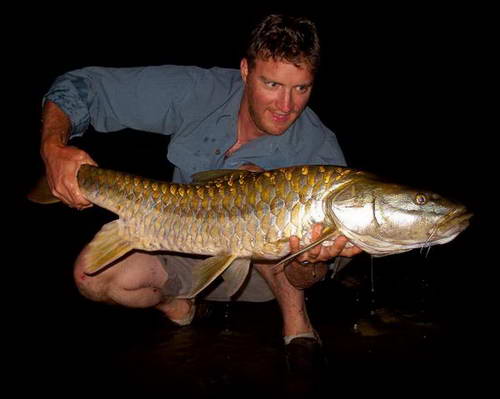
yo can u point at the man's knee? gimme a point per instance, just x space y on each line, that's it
135 272
91 287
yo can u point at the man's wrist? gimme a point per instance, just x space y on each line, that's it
49 145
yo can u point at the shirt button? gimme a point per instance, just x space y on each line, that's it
217 151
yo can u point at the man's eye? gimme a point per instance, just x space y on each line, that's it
271 84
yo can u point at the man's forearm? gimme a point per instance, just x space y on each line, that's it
56 126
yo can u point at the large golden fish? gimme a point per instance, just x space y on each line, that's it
236 216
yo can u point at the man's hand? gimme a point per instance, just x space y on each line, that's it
321 253
62 164
303 276
62 161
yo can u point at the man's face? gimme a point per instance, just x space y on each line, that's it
276 93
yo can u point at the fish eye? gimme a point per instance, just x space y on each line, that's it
420 199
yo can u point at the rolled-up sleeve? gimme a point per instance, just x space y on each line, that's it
65 94
112 99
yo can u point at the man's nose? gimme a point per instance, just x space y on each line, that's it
285 101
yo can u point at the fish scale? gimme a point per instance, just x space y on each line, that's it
244 213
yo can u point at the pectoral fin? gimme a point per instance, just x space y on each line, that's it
235 276
106 247
207 271
325 236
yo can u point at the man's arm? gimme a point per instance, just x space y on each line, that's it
61 160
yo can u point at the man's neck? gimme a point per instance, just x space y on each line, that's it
247 130
242 137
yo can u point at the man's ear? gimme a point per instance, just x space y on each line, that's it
244 69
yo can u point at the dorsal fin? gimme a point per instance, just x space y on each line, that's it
211 175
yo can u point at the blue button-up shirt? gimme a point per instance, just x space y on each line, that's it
197 107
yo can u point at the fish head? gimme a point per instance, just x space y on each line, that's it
384 218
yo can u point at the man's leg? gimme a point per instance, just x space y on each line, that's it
303 352
290 299
139 280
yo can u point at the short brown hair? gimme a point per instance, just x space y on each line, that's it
281 37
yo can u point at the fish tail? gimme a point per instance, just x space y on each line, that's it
41 193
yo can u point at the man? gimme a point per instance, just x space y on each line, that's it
254 119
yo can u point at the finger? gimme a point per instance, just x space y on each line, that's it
339 248
78 198
350 252
58 190
79 201
311 256
62 197
294 244
314 252
329 252
316 231
340 242
73 196
90 161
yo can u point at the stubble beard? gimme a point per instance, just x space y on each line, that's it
263 128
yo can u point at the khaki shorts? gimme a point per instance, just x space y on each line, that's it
179 268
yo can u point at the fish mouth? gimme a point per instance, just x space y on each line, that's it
450 226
